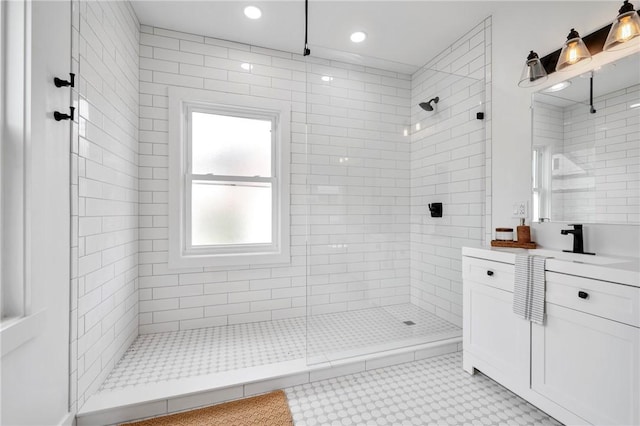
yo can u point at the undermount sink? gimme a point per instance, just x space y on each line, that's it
575 257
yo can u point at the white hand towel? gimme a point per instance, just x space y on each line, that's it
529 288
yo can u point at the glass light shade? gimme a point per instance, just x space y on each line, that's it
625 28
573 51
533 72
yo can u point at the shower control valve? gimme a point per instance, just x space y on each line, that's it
435 209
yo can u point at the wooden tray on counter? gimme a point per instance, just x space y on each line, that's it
513 244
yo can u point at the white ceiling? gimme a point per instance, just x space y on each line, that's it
402 35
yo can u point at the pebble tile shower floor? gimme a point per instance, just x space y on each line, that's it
433 391
162 357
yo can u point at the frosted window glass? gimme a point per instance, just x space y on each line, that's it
232 146
231 213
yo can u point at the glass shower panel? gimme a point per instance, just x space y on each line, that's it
362 125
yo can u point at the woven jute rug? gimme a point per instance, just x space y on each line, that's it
271 409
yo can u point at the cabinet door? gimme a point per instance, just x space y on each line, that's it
587 364
494 336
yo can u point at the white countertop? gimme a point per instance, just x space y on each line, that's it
621 270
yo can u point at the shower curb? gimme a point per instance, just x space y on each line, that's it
111 408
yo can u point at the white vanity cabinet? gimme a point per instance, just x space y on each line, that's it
581 366
493 336
586 357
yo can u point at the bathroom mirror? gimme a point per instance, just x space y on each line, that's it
586 148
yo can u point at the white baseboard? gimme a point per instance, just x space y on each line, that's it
68 420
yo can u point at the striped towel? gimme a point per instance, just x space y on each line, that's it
528 292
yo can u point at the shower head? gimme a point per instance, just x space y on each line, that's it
427 105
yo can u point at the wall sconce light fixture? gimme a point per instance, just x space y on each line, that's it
573 51
625 28
533 72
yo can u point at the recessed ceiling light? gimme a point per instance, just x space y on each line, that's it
252 12
358 37
558 87
246 66
326 78
635 105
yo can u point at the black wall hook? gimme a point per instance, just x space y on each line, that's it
59 116
63 83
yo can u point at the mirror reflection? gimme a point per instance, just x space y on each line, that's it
586 147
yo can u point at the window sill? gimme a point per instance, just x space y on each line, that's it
177 261
16 332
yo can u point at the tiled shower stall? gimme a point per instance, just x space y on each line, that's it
366 257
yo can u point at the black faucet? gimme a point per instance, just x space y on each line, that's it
578 244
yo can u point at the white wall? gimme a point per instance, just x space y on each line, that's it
541 26
448 165
104 186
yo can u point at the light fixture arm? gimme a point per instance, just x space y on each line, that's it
592 110
306 51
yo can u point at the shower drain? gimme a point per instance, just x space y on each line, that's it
409 322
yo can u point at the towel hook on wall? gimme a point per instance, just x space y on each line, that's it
60 116
64 83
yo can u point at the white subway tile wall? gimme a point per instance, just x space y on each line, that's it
349 176
450 151
598 159
104 183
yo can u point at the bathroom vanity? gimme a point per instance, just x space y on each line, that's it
582 365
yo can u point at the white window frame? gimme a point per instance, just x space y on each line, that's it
182 102
14 132
19 322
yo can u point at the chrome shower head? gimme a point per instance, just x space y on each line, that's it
427 105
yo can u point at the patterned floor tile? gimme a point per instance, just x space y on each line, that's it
434 391
162 357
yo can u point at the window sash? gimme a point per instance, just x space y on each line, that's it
229 248
190 178
15 299
229 112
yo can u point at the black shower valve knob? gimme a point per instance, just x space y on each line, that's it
64 83
435 209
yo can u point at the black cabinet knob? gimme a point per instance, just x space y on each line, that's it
490 273
583 295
